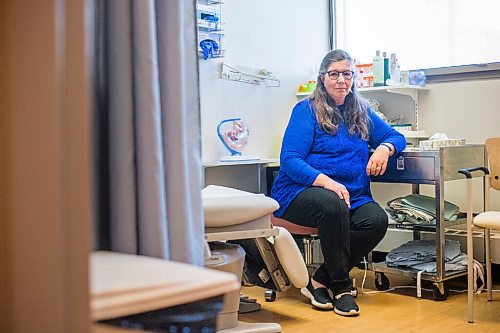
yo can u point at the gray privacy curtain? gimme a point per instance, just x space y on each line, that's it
148 129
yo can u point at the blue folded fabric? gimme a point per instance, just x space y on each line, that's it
210 18
209 47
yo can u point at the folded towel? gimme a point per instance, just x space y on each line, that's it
420 208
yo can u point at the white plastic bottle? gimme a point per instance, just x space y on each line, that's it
378 70
392 65
395 71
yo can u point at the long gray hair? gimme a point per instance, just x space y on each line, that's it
328 114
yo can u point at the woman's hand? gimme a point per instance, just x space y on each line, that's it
331 185
378 161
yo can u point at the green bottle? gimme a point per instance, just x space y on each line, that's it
378 70
387 74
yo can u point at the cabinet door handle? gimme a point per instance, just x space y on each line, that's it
400 163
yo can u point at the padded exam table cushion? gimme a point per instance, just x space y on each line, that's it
123 284
224 206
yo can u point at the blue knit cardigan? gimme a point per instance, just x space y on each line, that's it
307 151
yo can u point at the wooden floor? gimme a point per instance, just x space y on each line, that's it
394 311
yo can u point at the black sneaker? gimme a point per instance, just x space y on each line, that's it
319 297
345 305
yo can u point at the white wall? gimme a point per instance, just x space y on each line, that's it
288 38
467 110
462 109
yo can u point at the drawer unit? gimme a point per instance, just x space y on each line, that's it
433 168
429 167
410 168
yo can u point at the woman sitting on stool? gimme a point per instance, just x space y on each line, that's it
324 178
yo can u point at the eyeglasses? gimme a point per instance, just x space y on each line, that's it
334 75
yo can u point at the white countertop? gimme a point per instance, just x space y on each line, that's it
123 284
242 162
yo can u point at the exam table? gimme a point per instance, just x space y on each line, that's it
138 293
236 220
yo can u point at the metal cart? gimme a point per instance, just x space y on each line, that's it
433 168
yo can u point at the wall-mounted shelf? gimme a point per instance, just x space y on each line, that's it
301 94
211 2
210 29
249 75
411 91
407 90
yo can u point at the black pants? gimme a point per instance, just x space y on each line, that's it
345 236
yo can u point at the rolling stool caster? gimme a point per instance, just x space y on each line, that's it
270 295
381 282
